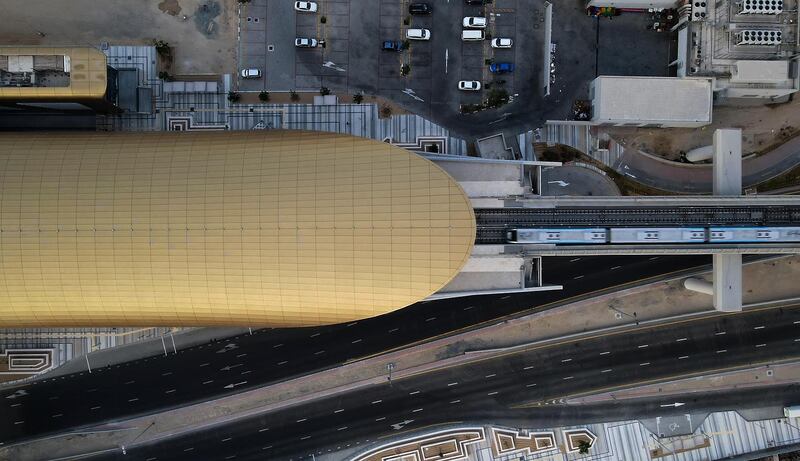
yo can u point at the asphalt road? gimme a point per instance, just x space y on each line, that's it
493 390
199 373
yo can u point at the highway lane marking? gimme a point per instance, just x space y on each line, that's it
351 324
277 346
246 372
578 277
575 259
241 355
606 370
683 357
468 308
166 373
305 437
720 333
301 420
530 385
339 410
452 384
393 330
263 429
208 382
490 376
15 405
615 267
528 367
430 319
188 449
314 335
133 399
170 391
453 402
283 362
204 365
381 418
57 415
796 340
493 393
796 322
377 401
91 390
413 393
681 339
18 422
225 440
417 410
505 297
605 353
760 327
760 345
342 428
230 457
653 258
95 408
722 351
643 346
566 360
267 447
568 377
356 341
130 382
644 364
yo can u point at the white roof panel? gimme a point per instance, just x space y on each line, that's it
652 99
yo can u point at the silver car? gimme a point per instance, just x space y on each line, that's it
502 43
305 7
301 42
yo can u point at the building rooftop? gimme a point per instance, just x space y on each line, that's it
652 99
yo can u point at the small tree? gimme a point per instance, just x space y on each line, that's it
357 98
164 75
324 91
263 96
407 20
162 47
294 96
583 447
406 44
405 69
386 111
323 19
234 96
497 97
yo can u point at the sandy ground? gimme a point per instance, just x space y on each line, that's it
763 127
201 33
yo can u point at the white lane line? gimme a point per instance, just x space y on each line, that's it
578 277
18 422
653 258
356 341
760 327
566 360
493 393
797 340
796 322
760 345
568 377
615 267
605 353
455 401
606 370
452 384
490 376
530 385
204 364
342 428
339 410
130 382
246 372
505 297
528 368
225 440
166 374
263 429
283 362
314 335
574 259
722 351
188 449
15 405
319 352
277 346
644 364
241 355
393 330
301 420
57 415
133 399
720 333
417 410
381 418
683 357
681 339
267 447
95 408
208 382
430 319
305 438
468 308
377 401
643 346
413 393
170 391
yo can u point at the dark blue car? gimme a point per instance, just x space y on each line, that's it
501 67
391 45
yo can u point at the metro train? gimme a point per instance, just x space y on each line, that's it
601 235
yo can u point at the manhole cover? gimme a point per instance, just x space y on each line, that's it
270 47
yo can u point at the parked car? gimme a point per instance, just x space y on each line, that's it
474 22
418 34
471 34
501 67
502 43
469 85
420 8
251 73
392 45
305 7
301 42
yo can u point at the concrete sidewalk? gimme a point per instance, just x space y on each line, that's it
619 310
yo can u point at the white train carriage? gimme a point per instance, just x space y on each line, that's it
587 236
753 234
658 235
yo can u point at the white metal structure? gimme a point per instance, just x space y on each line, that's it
590 235
657 235
418 34
761 7
759 37
305 7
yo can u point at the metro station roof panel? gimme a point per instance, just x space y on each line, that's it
280 228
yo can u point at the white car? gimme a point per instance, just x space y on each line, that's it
474 22
469 85
251 73
418 34
305 7
301 42
502 43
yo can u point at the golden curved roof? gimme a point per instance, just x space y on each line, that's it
87 77
282 228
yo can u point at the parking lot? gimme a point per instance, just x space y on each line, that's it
349 58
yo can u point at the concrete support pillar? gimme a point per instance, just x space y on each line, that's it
728 282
